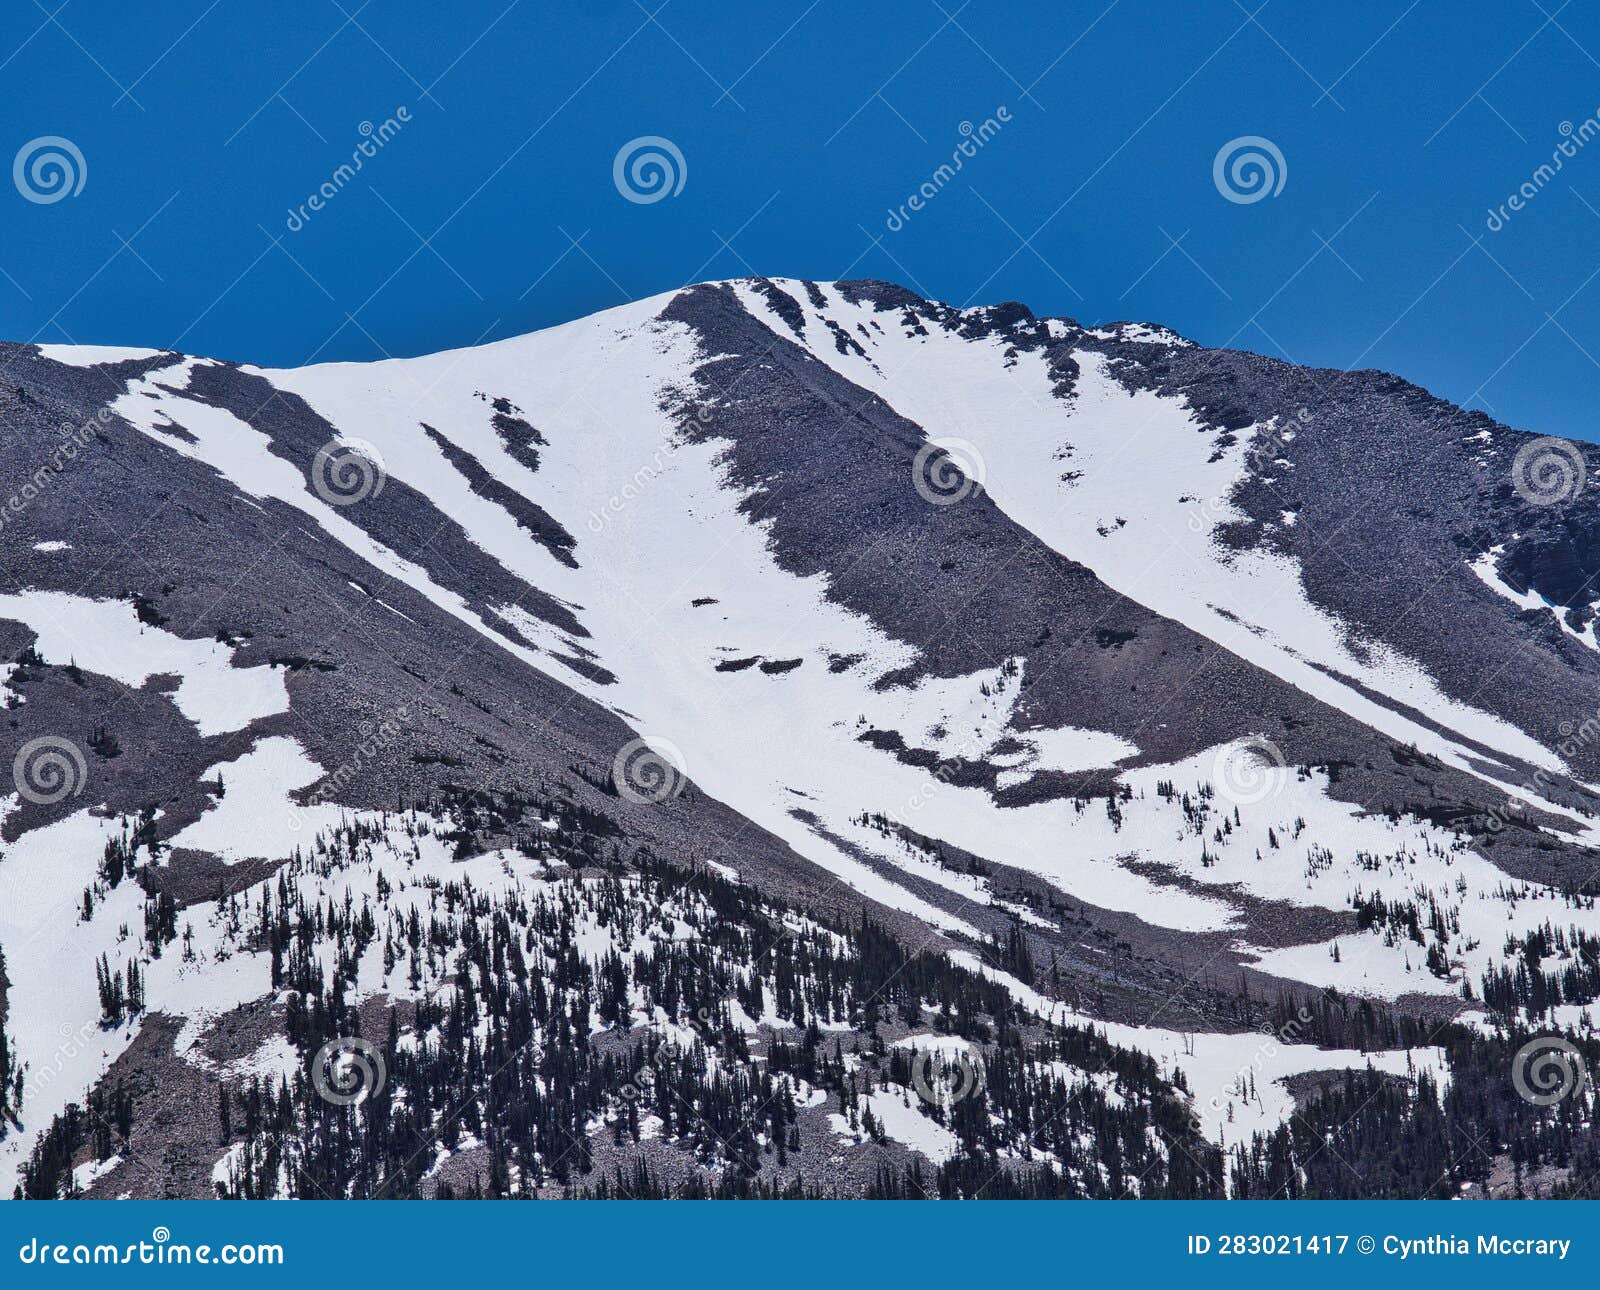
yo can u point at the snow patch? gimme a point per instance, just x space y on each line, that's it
93 355
107 637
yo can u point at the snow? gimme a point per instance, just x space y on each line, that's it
52 546
51 986
85 1175
945 1045
1216 1065
677 533
228 1164
257 816
1162 553
50 950
90 355
243 456
275 1059
903 1118
1487 569
54 1004
1067 749
106 637
673 532
595 389
54 1008
659 524
1146 333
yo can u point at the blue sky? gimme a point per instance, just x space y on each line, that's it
204 127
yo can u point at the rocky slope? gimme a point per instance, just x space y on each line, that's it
1178 723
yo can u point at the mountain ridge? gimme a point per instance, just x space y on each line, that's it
1157 684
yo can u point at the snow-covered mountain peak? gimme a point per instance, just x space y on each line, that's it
1130 681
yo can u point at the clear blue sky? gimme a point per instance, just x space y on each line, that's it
493 210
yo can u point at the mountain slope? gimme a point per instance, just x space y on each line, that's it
1149 684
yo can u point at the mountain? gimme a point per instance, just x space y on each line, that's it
784 738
